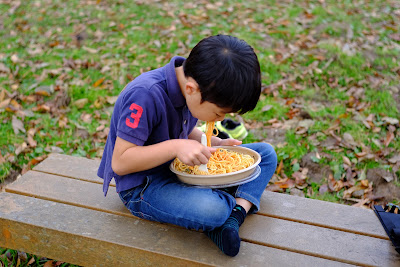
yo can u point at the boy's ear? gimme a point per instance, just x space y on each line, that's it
191 88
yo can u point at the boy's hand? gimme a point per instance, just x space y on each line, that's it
229 142
192 152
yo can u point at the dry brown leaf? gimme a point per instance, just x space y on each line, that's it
111 99
41 108
90 50
361 203
100 128
49 263
45 90
266 108
4 68
389 120
32 142
2 95
99 82
346 161
80 103
389 138
280 166
364 183
5 103
32 260
18 125
285 183
274 188
20 148
323 189
394 159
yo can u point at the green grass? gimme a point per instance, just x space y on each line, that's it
10 258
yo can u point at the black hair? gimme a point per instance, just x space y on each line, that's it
227 72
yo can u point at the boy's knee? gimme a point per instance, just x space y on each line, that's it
214 212
268 151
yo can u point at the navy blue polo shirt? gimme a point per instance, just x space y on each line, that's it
151 109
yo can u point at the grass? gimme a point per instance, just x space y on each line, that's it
9 257
314 56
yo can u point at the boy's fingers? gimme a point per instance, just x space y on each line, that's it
212 150
232 142
203 160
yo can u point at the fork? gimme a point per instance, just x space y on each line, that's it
203 167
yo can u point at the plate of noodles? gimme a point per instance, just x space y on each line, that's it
228 166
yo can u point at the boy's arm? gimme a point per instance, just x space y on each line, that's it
129 158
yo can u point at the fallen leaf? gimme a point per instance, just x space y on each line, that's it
285 183
32 260
388 178
346 160
100 128
111 99
20 148
31 141
274 188
14 58
99 102
389 120
99 82
90 50
18 125
348 193
394 159
361 203
280 166
49 264
364 183
41 108
266 108
389 138
323 189
349 139
395 36
80 103
44 90
54 149
4 68
5 103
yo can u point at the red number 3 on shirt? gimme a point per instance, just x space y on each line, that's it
134 115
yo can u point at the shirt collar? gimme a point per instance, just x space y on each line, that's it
174 91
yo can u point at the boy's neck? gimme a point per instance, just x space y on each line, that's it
180 76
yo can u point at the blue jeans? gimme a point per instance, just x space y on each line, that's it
163 198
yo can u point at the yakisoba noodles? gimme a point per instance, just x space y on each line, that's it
221 161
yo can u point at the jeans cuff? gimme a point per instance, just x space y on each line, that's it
251 199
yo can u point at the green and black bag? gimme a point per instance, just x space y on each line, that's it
390 219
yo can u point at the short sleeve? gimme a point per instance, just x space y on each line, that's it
138 116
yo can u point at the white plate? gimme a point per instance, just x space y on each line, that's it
223 180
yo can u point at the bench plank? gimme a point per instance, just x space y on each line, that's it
69 191
318 241
89 237
70 166
320 213
346 246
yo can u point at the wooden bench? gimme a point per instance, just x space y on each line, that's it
58 211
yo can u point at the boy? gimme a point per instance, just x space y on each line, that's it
154 121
